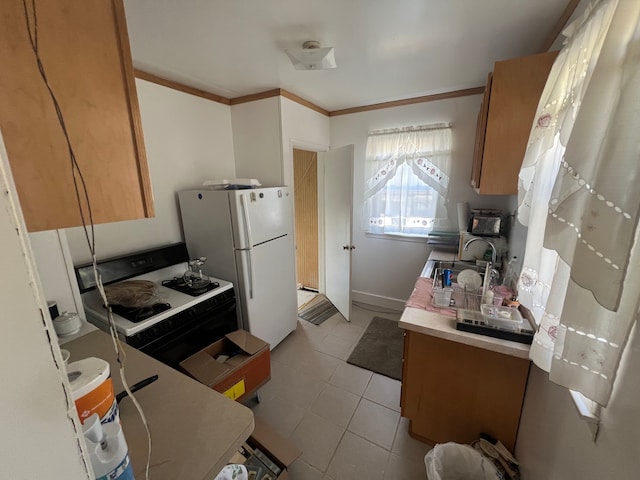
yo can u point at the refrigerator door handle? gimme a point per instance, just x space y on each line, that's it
250 267
245 220
250 273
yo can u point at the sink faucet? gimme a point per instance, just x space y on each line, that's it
494 252
493 273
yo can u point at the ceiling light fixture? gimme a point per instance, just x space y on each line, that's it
312 57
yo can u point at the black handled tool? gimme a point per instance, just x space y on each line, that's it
136 387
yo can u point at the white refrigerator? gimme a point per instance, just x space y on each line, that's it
247 237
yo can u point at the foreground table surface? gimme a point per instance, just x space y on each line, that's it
194 429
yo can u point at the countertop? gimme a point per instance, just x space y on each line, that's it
85 328
442 326
194 430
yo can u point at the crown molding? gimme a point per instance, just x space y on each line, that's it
181 87
409 101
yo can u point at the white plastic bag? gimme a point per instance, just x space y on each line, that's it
233 472
453 461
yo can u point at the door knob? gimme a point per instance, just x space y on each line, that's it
345 247
353 247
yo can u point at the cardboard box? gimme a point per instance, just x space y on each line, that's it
266 442
236 365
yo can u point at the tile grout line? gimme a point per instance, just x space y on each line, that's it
377 444
346 429
314 338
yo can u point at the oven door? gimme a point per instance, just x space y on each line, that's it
189 334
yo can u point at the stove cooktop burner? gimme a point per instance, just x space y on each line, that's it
180 285
138 314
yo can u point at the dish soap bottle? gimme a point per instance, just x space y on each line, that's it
509 274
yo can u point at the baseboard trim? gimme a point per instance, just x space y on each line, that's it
378 300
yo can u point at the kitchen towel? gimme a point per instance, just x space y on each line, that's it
422 297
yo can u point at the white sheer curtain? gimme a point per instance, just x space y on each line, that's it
579 197
407 179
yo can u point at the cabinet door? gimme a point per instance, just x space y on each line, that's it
515 91
452 392
481 131
85 51
405 355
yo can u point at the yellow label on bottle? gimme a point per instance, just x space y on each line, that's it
236 391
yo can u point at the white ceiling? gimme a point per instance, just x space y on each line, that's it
385 49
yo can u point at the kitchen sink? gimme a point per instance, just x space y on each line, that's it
435 267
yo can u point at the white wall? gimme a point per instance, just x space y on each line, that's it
55 269
38 436
389 268
257 141
301 128
188 140
555 444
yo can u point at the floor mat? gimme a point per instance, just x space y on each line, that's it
317 310
380 348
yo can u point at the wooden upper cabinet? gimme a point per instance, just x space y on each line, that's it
506 117
84 49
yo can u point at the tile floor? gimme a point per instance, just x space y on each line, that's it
344 419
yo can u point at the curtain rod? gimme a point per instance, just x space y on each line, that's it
418 128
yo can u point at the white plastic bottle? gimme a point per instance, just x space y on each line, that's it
107 449
488 297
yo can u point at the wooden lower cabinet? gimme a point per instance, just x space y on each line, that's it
452 392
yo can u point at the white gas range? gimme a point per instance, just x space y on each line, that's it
178 324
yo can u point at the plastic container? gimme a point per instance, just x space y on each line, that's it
442 296
504 317
67 323
501 292
108 450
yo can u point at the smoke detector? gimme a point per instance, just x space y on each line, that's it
312 56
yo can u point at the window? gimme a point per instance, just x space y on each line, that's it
406 180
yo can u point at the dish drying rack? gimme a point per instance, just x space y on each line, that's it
461 297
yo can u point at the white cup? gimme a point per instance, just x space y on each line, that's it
65 355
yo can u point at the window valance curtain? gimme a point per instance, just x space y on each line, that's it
407 180
425 149
578 195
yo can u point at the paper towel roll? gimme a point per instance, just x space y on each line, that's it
463 216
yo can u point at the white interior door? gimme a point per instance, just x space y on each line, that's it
337 178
